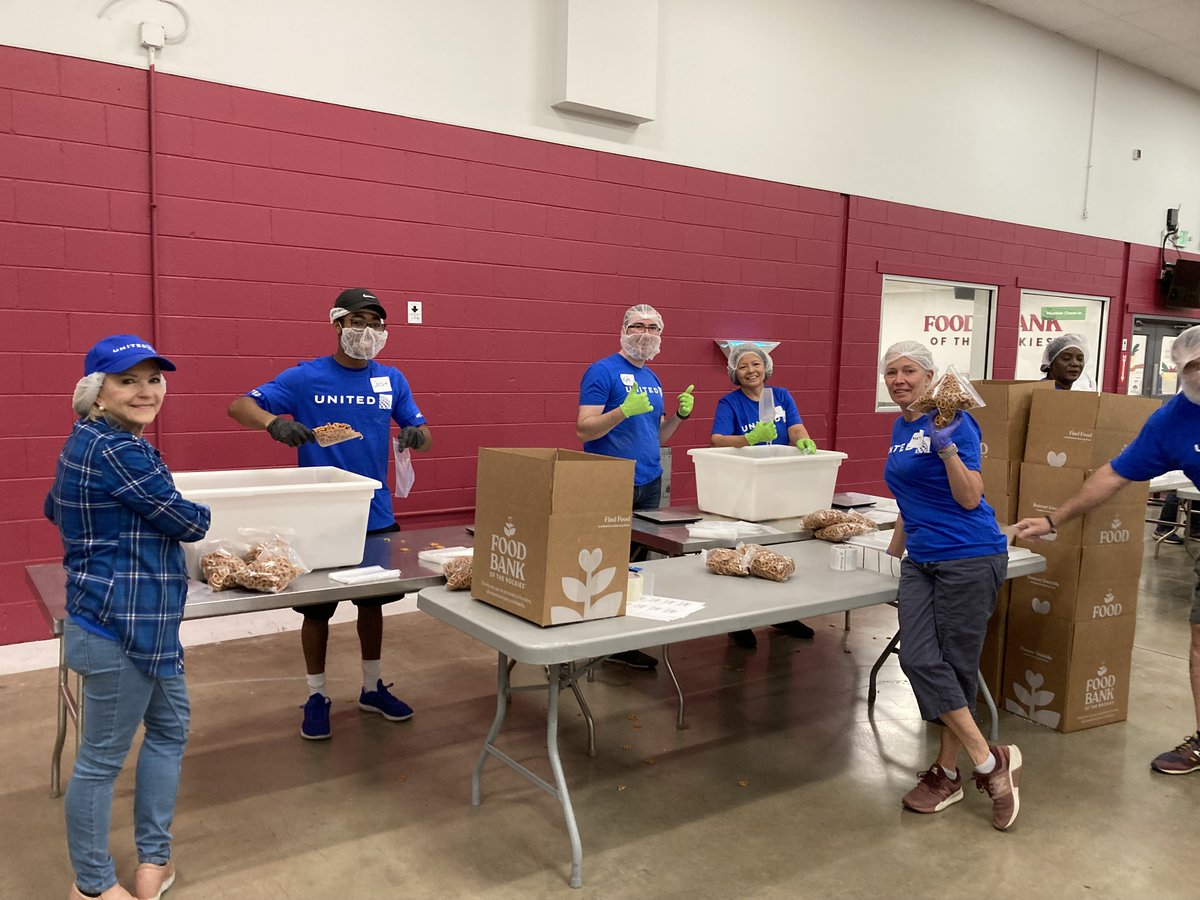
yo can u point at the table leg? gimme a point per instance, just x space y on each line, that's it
994 733
60 736
585 709
847 625
666 656
559 672
887 651
502 670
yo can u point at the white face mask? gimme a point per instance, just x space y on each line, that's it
363 343
643 346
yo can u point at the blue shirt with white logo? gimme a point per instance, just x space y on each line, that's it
1169 440
606 383
321 391
737 414
936 527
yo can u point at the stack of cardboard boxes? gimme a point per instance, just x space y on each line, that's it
1069 630
1003 423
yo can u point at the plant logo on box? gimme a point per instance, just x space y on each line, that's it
1031 698
586 591
1041 607
1056 459
506 561
1108 608
1116 534
1101 690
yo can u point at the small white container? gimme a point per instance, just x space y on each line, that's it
843 558
767 481
326 508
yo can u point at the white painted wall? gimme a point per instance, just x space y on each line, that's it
941 103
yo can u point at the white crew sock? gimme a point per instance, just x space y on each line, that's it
372 674
316 685
985 767
952 774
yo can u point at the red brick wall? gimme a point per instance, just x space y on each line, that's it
524 254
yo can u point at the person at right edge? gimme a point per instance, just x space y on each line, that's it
621 413
957 559
1167 441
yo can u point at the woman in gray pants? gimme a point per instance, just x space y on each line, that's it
957 559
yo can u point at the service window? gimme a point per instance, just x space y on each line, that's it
1045 316
955 320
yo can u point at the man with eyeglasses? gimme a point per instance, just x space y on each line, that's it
350 387
622 414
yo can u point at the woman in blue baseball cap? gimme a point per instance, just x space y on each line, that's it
121 520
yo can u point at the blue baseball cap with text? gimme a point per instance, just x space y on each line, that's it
121 352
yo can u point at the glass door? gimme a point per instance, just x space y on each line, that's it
1151 371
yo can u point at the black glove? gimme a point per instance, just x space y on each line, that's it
410 437
289 432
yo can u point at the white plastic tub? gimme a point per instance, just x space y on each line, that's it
324 506
768 481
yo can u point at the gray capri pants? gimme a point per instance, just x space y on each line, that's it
944 609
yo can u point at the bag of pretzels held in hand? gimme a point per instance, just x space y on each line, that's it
946 396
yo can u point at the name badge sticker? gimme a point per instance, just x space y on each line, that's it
629 379
381 384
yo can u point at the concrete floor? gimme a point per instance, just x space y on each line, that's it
784 785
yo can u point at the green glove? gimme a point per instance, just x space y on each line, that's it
686 402
762 433
636 403
807 446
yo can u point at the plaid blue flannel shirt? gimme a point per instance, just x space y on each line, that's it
121 521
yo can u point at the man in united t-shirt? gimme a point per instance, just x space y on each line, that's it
622 414
348 386
1169 440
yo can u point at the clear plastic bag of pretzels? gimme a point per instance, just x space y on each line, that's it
726 561
766 563
220 561
271 564
458 573
946 396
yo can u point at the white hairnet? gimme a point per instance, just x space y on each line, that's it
1061 343
1186 347
918 353
642 311
87 389
737 351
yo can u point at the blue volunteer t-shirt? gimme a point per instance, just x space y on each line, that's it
606 383
936 527
1166 442
321 391
737 414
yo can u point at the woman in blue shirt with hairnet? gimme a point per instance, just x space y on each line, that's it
739 422
121 520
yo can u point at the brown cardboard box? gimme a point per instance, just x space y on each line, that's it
1067 676
1063 426
1004 421
1116 521
991 660
552 533
1001 481
1081 584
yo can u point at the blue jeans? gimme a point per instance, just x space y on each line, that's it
117 698
648 495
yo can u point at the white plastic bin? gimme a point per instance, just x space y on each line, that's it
767 481
324 506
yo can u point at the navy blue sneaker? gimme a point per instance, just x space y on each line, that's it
316 718
381 701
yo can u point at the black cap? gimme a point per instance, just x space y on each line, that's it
354 299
